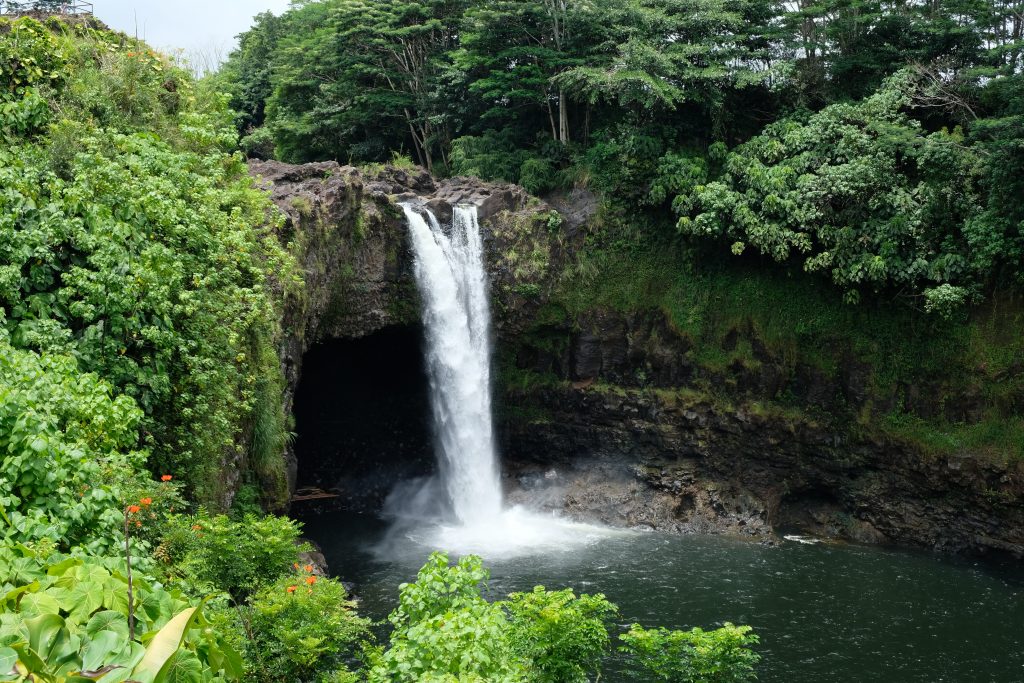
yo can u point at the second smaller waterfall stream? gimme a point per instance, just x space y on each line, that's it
461 510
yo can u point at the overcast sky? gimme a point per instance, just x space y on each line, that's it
206 28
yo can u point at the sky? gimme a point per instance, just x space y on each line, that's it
204 29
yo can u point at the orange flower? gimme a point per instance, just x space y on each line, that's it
146 501
166 477
138 523
132 509
196 527
308 567
310 580
295 565
291 589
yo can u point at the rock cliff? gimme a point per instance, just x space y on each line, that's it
623 427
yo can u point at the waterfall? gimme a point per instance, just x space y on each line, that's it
449 269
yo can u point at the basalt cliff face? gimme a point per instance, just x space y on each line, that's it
348 232
622 428
657 453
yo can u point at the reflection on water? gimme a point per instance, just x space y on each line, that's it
824 612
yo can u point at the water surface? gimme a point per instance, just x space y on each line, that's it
824 612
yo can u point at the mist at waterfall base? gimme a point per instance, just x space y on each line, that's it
460 509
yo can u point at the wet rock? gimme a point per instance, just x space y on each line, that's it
632 458
356 260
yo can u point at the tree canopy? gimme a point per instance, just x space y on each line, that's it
878 143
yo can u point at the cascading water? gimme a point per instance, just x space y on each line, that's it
453 284
449 269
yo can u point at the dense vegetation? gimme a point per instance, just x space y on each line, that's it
842 178
142 278
878 143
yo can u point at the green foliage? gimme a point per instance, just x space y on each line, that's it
861 193
140 255
917 364
904 192
562 636
65 617
236 556
445 631
696 656
492 156
31 56
68 447
303 629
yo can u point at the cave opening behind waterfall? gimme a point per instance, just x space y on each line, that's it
362 416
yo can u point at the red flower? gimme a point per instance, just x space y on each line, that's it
146 501
166 477
132 509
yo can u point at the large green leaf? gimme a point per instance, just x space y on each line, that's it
102 651
29 658
8 657
83 599
115 595
39 603
164 644
62 567
182 667
50 640
12 596
107 620
46 633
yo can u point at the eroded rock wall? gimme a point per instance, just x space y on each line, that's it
348 232
625 427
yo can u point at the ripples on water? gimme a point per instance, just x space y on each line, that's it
824 612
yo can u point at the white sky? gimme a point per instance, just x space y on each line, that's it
203 29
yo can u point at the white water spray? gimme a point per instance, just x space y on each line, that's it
449 269
452 281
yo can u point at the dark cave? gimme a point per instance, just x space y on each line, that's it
362 416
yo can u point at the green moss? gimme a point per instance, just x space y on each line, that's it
801 322
269 435
997 437
303 205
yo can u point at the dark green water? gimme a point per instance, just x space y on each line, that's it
824 612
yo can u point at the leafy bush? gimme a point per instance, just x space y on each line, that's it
696 656
131 241
303 629
236 556
862 193
68 447
259 144
31 56
538 175
491 156
445 631
61 617
562 636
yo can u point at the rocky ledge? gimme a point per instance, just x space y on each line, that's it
614 422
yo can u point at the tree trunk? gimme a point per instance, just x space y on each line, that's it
563 117
551 120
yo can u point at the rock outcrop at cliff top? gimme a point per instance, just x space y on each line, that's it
350 237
